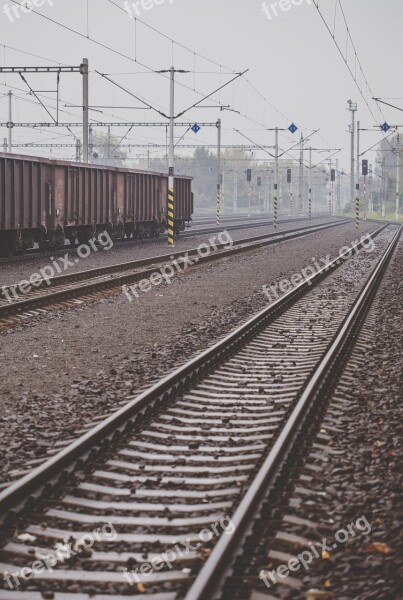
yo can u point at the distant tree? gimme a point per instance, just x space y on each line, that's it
106 151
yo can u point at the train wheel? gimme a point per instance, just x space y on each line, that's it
82 237
6 248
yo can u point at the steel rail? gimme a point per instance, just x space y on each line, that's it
208 584
36 253
14 498
89 283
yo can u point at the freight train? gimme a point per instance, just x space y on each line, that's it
50 201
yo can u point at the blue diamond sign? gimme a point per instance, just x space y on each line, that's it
293 128
196 128
385 127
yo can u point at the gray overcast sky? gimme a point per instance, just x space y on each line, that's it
292 59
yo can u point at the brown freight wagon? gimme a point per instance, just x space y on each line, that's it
50 201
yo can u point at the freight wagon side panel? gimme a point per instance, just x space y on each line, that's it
60 193
22 193
120 196
164 197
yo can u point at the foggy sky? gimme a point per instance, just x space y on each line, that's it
291 58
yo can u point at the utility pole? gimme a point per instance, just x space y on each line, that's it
289 178
353 109
78 150
301 176
109 144
10 121
338 189
235 199
397 177
357 201
383 196
91 145
275 199
171 161
310 186
218 170
331 191
85 73
371 203
222 203
365 197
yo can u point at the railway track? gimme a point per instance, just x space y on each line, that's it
199 229
189 461
71 289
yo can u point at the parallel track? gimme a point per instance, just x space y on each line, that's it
73 287
201 445
198 229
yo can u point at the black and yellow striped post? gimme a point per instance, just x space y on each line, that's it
275 206
171 215
218 203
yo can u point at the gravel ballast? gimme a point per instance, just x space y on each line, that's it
344 496
62 371
111 254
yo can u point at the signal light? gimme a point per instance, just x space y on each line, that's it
365 167
249 175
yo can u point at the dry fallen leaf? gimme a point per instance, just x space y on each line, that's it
141 588
327 584
378 547
325 554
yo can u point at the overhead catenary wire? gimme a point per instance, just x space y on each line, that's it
345 58
105 46
195 54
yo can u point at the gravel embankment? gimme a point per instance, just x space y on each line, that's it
345 495
364 470
61 371
14 272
